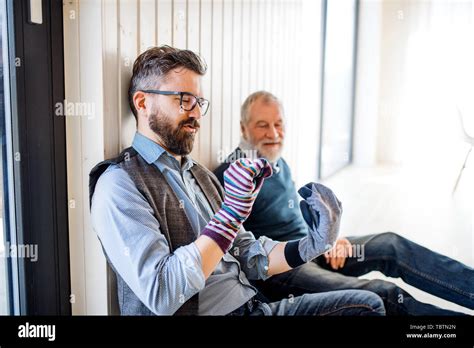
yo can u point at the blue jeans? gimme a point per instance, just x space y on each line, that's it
394 256
334 303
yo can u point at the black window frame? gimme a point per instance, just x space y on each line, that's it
39 142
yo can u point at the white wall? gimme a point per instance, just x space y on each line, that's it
85 147
248 45
414 67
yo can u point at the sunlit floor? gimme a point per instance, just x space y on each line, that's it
416 203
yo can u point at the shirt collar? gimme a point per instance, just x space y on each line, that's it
152 152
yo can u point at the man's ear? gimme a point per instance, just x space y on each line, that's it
139 101
242 130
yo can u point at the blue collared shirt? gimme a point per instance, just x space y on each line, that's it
131 237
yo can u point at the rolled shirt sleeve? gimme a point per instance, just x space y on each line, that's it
252 254
131 238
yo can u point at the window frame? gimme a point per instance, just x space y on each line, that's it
39 176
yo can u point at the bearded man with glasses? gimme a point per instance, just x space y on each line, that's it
174 236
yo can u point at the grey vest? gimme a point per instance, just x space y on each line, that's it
174 224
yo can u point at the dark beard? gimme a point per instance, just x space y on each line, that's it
178 141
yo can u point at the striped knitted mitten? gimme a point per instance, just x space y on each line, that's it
242 183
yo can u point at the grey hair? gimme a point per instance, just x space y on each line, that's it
266 97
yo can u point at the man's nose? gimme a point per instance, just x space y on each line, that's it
195 113
273 133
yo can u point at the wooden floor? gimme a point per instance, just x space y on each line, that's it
416 203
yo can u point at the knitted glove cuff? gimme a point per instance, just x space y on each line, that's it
221 240
292 254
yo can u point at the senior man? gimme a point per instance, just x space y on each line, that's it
276 215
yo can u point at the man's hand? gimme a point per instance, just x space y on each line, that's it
242 183
322 212
336 257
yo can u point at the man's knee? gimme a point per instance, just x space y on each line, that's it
367 302
385 289
371 299
393 238
391 242
350 302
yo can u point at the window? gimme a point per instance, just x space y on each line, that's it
338 85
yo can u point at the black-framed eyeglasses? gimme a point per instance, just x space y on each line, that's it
187 101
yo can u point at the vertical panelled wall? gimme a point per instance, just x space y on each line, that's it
248 45
85 136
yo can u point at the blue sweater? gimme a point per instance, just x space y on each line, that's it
276 212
